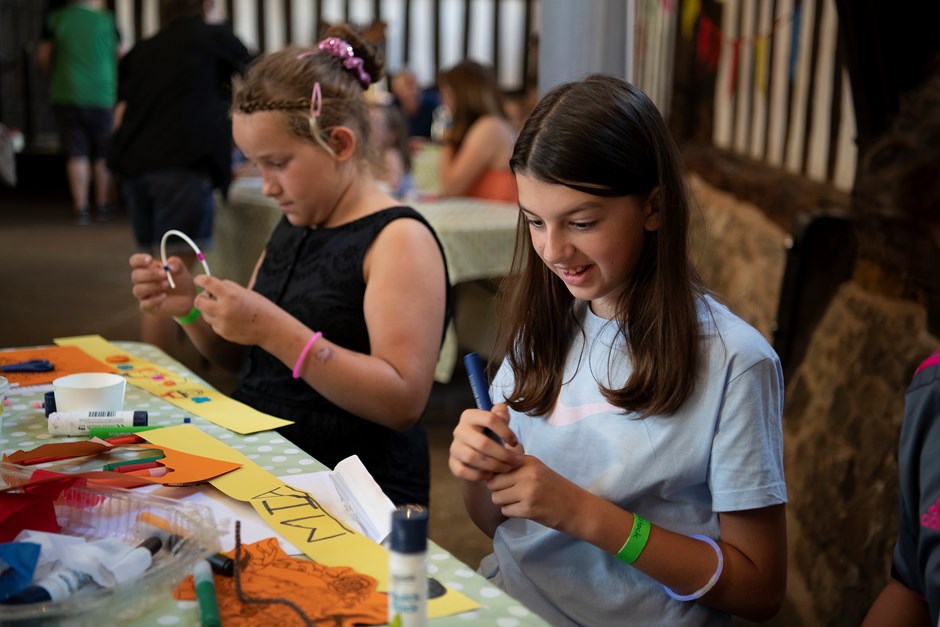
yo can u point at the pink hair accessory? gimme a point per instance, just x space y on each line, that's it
340 49
316 100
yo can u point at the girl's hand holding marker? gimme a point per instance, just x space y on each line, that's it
479 458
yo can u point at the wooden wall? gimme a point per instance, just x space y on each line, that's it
425 35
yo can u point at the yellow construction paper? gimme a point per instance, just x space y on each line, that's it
196 398
295 514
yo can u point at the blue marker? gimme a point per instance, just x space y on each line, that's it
480 388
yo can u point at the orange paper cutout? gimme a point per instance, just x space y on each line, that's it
337 594
188 468
66 359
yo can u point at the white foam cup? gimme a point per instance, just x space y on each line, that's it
89 391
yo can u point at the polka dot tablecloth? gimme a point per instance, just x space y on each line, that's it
25 427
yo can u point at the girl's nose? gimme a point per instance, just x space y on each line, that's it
555 245
269 186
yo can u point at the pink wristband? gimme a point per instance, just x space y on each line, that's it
303 354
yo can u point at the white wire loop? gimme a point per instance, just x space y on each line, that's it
192 244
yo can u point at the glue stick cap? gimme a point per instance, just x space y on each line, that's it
409 529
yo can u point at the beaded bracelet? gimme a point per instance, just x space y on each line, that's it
192 244
636 541
711 582
188 318
303 353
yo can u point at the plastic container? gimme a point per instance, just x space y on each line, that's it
97 512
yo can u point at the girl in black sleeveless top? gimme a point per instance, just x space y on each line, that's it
340 327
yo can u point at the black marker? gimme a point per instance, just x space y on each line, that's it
221 563
480 388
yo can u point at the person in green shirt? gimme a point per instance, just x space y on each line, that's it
79 51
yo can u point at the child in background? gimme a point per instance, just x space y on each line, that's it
391 139
642 477
474 160
901 183
341 324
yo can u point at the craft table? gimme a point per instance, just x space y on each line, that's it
478 237
25 427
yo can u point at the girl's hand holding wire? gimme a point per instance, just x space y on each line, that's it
152 288
234 312
474 456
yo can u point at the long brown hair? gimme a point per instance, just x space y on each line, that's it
476 94
604 137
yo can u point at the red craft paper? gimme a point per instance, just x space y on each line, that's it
30 505
56 450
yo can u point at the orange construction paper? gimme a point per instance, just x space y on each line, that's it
337 595
188 468
65 359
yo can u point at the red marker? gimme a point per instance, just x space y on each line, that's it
130 438
149 472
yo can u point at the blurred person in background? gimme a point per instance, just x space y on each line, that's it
416 103
79 51
898 196
474 161
390 137
173 140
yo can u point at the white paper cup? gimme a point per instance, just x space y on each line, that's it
89 391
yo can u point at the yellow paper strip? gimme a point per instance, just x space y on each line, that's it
296 515
196 398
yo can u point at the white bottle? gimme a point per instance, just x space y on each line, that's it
440 122
408 568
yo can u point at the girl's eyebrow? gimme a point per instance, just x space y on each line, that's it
583 206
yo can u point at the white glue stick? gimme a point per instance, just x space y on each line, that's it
408 568
79 422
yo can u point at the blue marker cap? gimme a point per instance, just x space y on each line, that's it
409 530
31 594
49 402
140 419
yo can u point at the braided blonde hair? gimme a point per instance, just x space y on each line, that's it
282 81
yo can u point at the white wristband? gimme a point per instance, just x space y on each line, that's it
711 582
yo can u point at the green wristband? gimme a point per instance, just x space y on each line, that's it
188 318
636 542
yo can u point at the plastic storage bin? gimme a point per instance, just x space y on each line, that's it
98 512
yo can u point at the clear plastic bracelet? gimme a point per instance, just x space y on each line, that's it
711 582
192 244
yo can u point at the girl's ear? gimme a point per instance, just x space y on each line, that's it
653 203
343 143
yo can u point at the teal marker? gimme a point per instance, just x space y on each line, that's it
141 460
205 595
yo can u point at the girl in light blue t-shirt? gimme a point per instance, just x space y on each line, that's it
641 479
